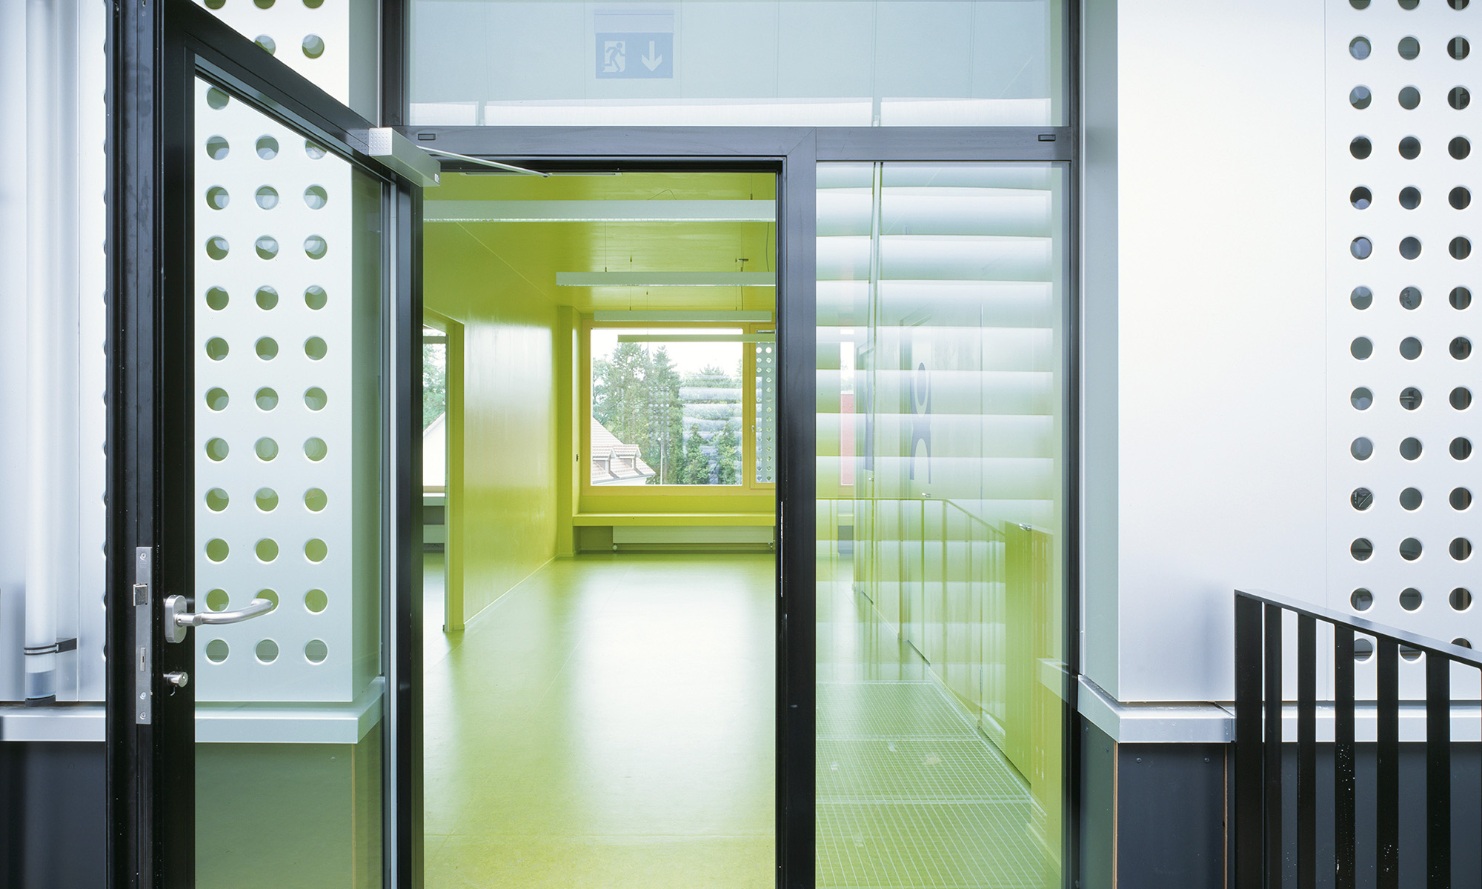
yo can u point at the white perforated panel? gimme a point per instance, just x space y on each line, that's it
766 412
1401 280
275 429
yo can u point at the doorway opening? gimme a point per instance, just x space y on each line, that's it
599 634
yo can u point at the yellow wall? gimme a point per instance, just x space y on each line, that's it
503 526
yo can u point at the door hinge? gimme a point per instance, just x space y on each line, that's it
143 636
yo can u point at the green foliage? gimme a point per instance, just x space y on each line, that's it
727 456
696 469
635 394
434 383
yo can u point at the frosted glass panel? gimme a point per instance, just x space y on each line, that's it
737 63
940 525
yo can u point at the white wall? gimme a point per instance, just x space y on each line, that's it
1219 342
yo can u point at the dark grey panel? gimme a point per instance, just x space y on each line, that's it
1171 816
1098 796
53 807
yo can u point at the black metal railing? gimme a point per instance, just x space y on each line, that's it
1259 801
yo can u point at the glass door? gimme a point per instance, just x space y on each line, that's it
283 383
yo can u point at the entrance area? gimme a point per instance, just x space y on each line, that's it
600 579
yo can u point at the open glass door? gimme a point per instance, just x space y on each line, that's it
285 466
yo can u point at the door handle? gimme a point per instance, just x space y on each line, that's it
178 617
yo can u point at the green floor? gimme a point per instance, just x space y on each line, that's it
608 723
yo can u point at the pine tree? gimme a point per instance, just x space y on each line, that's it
726 456
696 469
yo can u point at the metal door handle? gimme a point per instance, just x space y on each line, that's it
178 618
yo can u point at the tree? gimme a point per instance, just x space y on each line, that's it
696 470
434 383
726 456
663 445
618 397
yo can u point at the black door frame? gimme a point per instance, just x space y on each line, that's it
158 50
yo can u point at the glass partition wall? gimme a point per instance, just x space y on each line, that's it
941 296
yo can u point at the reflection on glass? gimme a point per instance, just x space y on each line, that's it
940 523
287 425
738 63
667 410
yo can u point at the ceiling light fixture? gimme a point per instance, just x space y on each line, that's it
599 211
697 338
666 279
735 317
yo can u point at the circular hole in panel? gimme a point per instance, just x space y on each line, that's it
217 348
267 197
315 499
266 549
1409 4
315 348
1410 499
1409 197
217 449
217 197
1461 642
1409 148
1411 549
266 449
217 298
316 601
1460 348
316 651
1460 448
1461 298
217 550
217 98
1410 297
268 4
217 650
1360 47
267 499
267 147
1459 97
217 247
1361 198
267 651
1361 499
1410 348
1409 98
267 348
1360 147
314 150
1361 248
217 399
1361 449
1458 4
217 500
315 247
1361 398
1410 654
1461 398
316 197
1411 448
315 550
1459 198
217 148
267 298
217 600
1460 549
267 43
1461 498
1408 48
267 247
1361 348
313 4
1360 97
315 398
215 4
313 46
315 449
1363 649
1460 599
1411 398
1361 298
1459 147
1458 48
1411 599
1361 600
315 297
1410 247
267 398
1361 549
1460 248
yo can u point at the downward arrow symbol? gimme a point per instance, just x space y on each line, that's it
651 60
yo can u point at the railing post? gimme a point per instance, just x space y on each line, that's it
1387 797
1306 750
1248 783
1438 770
1345 856
1272 748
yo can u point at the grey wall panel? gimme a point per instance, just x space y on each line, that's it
52 815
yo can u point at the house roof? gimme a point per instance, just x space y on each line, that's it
616 463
